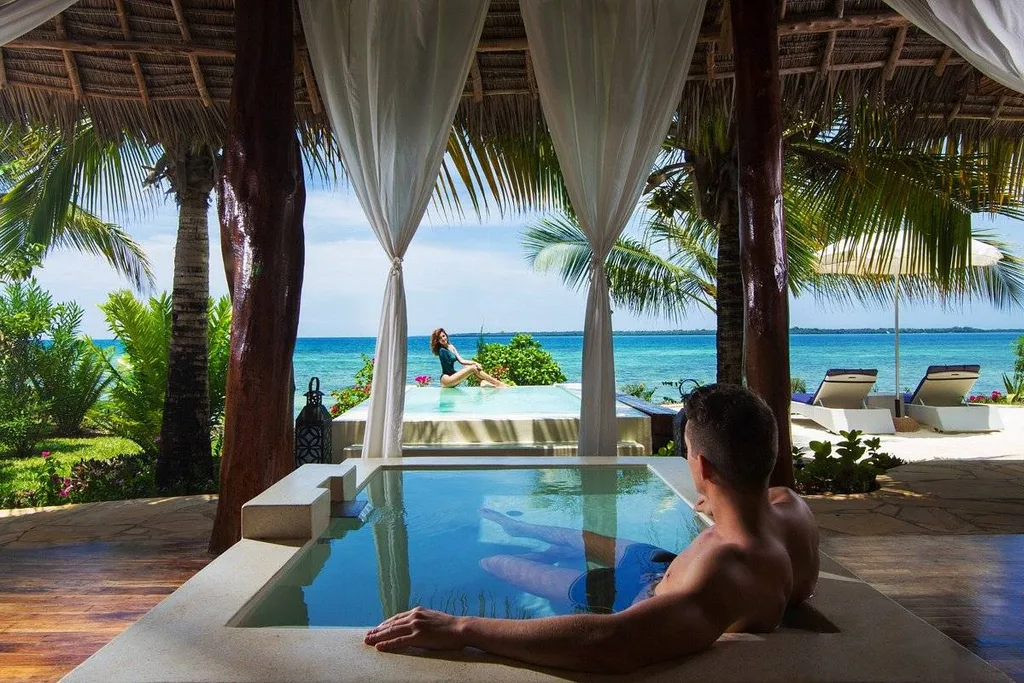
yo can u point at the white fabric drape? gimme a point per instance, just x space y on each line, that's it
391 76
610 74
987 33
21 16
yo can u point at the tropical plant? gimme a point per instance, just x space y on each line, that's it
639 390
26 319
136 398
523 361
119 478
797 385
1018 364
351 396
69 376
53 185
853 468
850 178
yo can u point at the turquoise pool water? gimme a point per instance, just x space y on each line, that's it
481 402
423 538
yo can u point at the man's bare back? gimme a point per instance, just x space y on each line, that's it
773 567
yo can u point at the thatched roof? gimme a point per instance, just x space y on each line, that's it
163 67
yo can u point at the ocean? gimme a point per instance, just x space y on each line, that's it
656 358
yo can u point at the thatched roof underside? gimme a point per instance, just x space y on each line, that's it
163 67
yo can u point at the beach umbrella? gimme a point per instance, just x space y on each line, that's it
892 256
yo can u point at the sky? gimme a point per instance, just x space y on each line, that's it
464 275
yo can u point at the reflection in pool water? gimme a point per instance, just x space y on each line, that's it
427 539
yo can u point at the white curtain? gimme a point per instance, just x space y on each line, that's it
21 16
610 74
391 75
987 33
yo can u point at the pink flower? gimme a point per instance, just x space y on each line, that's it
65 489
46 454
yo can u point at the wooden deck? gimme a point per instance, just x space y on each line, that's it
969 587
61 603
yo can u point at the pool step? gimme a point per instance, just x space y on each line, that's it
626 448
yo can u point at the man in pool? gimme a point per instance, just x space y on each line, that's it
739 575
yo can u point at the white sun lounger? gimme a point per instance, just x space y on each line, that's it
838 404
938 401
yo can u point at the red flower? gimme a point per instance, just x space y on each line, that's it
46 454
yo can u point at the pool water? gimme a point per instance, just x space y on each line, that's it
548 401
422 536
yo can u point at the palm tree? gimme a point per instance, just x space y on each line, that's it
851 179
59 181
52 184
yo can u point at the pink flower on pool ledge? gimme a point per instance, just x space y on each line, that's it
45 454
423 380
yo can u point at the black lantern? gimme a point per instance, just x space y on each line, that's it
313 429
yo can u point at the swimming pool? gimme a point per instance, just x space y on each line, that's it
476 420
430 534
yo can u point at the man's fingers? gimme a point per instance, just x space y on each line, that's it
395 644
383 633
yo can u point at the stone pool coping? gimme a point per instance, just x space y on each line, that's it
186 637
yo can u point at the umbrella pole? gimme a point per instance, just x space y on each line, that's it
896 330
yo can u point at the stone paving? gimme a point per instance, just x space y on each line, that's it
938 497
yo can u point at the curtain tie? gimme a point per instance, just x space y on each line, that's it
396 264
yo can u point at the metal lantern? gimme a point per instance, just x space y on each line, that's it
313 429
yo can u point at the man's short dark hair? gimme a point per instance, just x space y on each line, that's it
735 430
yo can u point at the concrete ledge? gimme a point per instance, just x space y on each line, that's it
189 636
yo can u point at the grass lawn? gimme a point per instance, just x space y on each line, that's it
19 474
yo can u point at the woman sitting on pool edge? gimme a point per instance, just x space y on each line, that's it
446 351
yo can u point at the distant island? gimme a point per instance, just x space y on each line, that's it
792 330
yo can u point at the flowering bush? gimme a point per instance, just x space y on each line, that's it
349 397
422 380
522 361
118 478
994 397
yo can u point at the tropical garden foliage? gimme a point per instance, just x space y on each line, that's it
853 466
522 361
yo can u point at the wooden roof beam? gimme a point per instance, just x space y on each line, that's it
894 56
830 43
943 61
709 56
3 70
999 107
193 60
477 80
126 31
531 78
69 59
310 80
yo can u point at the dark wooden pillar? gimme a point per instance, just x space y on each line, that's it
262 199
762 233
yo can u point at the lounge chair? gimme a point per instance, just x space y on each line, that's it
838 404
938 401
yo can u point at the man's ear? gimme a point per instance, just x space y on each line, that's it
706 469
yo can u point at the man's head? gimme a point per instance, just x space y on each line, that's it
734 431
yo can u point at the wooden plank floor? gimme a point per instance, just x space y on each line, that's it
969 587
61 603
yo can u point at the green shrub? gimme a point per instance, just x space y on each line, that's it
1018 364
136 398
119 478
522 361
349 397
797 385
667 450
639 390
853 469
70 377
26 316
681 386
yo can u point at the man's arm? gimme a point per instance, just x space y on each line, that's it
664 627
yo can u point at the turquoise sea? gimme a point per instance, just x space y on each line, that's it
655 358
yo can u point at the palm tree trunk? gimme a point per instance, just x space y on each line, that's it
729 332
185 463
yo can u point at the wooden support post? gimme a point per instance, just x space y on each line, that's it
762 233
126 31
69 60
193 60
3 70
894 55
477 80
262 198
943 60
531 78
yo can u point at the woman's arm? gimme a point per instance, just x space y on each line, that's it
451 347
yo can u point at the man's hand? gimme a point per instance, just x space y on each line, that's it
418 627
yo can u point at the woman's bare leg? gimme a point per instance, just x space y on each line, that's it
455 379
487 380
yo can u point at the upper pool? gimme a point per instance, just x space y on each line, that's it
547 401
513 543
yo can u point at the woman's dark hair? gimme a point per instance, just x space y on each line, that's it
735 430
435 340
